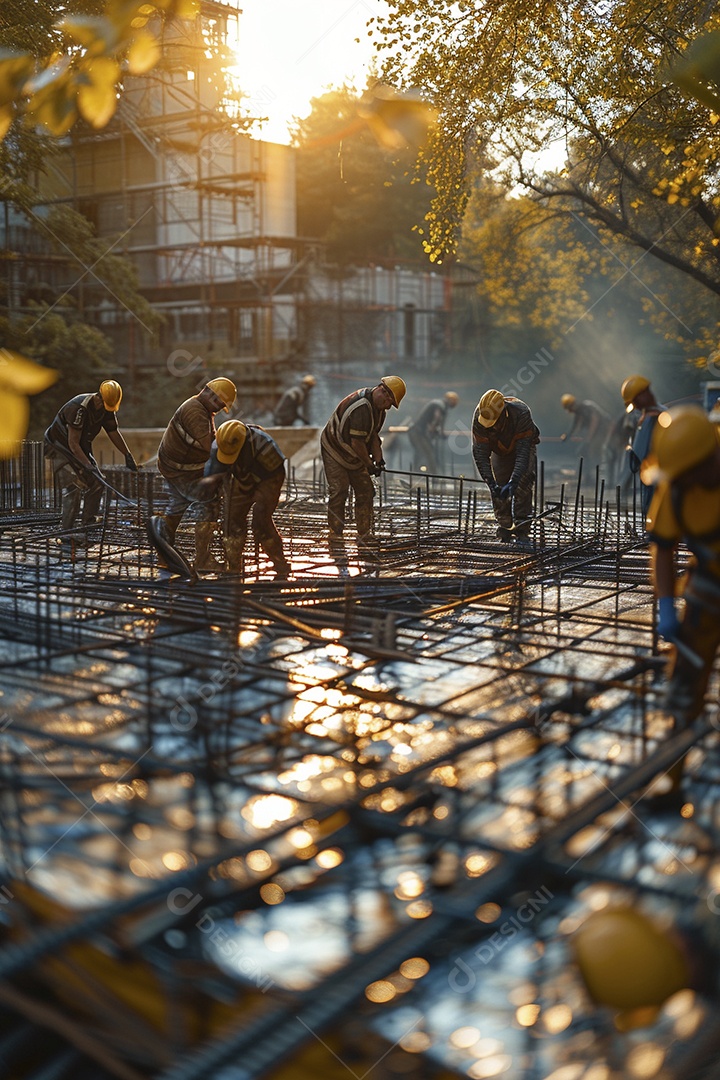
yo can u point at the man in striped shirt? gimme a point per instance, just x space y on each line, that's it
352 454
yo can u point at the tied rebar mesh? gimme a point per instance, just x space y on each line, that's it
350 817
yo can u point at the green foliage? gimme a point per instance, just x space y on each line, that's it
79 352
60 63
72 235
589 82
365 201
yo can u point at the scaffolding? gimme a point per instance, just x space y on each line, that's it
310 818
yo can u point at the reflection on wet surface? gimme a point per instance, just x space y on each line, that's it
382 800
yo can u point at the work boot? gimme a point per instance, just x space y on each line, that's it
70 508
273 548
204 558
234 547
91 505
505 536
166 525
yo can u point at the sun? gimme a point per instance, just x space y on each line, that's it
288 53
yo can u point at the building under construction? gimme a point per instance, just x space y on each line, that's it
350 822
207 216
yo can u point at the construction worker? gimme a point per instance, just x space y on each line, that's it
68 447
254 468
637 394
352 455
504 440
182 454
615 456
289 408
426 432
684 464
591 423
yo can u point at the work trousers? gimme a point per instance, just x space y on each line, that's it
186 491
78 487
700 631
424 450
509 512
339 481
262 498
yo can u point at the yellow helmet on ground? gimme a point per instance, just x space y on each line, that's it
490 408
111 393
396 386
451 398
626 962
225 390
633 386
684 436
230 438
567 401
309 381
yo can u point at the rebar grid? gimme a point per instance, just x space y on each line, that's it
399 755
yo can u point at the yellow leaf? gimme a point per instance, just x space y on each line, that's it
23 375
53 107
6 119
96 34
14 415
185 9
97 93
15 68
143 54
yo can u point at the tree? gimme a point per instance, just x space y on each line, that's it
513 79
362 199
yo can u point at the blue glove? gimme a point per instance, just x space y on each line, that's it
668 622
508 490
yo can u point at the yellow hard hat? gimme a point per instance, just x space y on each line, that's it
683 437
490 407
452 398
230 438
633 386
225 390
309 380
626 961
111 393
396 386
567 401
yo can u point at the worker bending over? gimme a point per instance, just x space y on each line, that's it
252 466
68 447
504 439
428 430
685 467
591 423
352 455
182 454
290 407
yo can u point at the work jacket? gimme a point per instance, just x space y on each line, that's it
514 433
259 459
185 446
355 418
84 413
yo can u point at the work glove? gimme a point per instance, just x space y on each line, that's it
131 463
494 489
668 622
563 438
374 470
508 490
381 463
